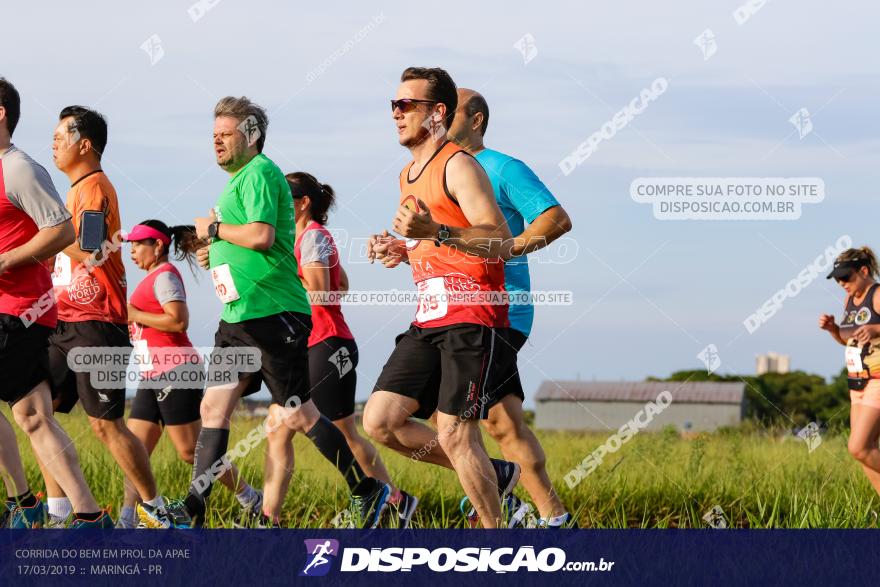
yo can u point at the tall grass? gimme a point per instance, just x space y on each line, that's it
760 479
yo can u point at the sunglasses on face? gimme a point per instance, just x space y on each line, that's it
407 104
846 278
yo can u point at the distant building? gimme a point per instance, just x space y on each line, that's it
597 405
772 363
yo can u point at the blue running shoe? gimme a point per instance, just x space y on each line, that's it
507 474
366 510
513 512
103 521
23 517
405 508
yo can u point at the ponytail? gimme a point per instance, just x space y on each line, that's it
183 238
321 195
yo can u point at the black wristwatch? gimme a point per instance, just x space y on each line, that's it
442 235
213 228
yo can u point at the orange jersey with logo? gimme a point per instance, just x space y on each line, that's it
99 294
453 285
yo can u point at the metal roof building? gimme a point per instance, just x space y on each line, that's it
601 405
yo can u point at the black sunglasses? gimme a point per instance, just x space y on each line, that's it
847 277
407 104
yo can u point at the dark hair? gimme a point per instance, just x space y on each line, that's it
241 109
320 194
11 102
441 88
89 124
477 103
183 237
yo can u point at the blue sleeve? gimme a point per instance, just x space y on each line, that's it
527 194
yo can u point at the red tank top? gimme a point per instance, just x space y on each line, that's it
25 290
327 320
167 350
449 281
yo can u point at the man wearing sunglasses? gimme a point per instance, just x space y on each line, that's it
537 219
447 358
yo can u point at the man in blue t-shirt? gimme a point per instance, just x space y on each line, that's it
535 219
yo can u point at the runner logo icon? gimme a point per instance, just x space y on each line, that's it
320 553
341 359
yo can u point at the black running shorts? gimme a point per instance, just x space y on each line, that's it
176 403
69 386
450 368
508 381
283 343
333 375
24 359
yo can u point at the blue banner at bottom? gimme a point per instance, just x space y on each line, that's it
504 557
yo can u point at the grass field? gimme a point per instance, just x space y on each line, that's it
657 480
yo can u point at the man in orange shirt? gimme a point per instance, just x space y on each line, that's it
447 359
90 290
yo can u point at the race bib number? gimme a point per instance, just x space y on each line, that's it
433 302
142 358
62 274
224 286
854 360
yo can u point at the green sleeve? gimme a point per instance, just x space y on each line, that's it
258 201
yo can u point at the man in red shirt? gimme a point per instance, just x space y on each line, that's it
34 226
92 305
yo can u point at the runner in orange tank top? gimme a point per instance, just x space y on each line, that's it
446 275
455 236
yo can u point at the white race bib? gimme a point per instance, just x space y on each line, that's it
142 358
854 360
433 302
62 274
224 286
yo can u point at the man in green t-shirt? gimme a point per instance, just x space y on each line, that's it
266 311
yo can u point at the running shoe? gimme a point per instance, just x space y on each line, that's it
402 511
57 522
34 516
366 510
103 521
252 516
569 523
171 515
5 514
513 512
343 520
519 513
507 474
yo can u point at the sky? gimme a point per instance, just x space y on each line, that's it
648 294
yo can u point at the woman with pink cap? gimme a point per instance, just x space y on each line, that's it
171 374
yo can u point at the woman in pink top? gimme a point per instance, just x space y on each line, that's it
172 376
333 353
